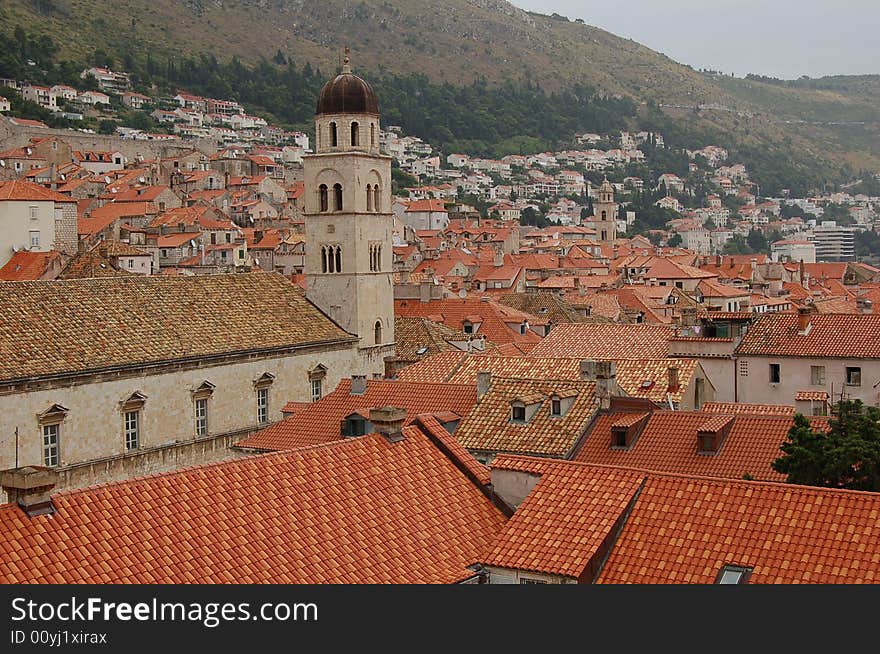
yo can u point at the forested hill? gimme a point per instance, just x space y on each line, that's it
479 75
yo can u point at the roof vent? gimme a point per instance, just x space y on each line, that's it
388 421
358 384
30 488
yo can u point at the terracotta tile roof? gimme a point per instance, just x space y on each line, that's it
605 341
120 321
356 511
122 249
19 190
320 422
496 317
815 396
119 210
91 264
28 266
668 443
830 335
562 526
548 306
753 409
419 338
430 425
684 529
462 368
488 427
141 194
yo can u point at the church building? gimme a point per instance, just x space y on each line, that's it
605 214
349 219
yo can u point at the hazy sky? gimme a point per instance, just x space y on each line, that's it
781 38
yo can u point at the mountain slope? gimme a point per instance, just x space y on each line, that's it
460 41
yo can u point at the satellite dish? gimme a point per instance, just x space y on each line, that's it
256 262
15 248
462 294
192 243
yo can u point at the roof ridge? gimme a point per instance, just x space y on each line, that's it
678 475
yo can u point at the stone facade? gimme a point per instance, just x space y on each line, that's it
349 221
92 431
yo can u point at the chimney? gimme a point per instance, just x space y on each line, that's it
673 375
606 382
865 305
688 316
358 384
484 382
388 421
587 369
804 320
424 292
718 260
30 488
499 258
802 268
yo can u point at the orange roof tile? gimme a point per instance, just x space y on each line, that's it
361 510
605 341
19 190
489 428
320 422
830 335
28 266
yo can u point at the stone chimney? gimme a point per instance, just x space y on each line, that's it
358 384
718 260
804 320
802 271
424 292
587 369
606 382
688 316
674 379
30 488
388 421
498 260
484 383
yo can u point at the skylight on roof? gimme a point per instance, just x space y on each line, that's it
421 350
734 574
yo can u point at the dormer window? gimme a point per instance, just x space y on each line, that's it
711 434
467 327
518 413
556 407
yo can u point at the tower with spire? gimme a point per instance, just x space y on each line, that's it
605 214
348 217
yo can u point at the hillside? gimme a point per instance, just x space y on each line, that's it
460 41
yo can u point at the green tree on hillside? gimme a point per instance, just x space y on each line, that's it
847 456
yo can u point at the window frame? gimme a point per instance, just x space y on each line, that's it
850 372
316 383
775 370
263 405
131 427
745 572
813 375
54 460
201 421
514 410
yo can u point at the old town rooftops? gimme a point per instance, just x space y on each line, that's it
75 327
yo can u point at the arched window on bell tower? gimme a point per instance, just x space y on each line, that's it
323 258
338 258
369 198
377 199
323 202
337 197
377 332
373 135
604 215
355 134
334 135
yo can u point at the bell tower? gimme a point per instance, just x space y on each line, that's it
605 214
348 216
